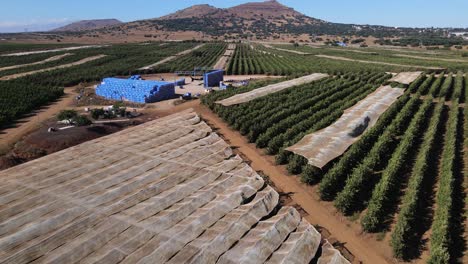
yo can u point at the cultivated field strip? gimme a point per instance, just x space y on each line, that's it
281 119
273 88
167 191
168 59
204 57
23 95
404 176
53 50
431 58
54 58
323 146
340 58
83 61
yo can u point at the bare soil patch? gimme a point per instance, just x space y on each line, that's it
26 125
41 142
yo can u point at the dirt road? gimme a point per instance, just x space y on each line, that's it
365 249
24 126
353 50
286 50
54 58
171 57
76 63
223 60
53 50
430 59
378 62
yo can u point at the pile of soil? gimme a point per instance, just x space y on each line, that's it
87 96
41 142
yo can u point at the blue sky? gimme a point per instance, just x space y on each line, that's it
19 15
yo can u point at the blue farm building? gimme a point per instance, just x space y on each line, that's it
136 90
212 79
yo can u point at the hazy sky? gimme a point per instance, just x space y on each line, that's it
18 15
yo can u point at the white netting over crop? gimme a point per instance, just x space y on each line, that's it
405 77
331 142
273 88
168 191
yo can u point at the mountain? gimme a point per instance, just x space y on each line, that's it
269 20
266 9
193 11
259 19
271 9
85 25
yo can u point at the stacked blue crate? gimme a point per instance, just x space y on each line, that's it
135 90
135 77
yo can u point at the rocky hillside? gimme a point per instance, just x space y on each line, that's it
85 25
262 19
264 9
268 20
193 11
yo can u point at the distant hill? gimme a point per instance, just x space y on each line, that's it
85 25
268 9
269 20
261 19
193 11
258 20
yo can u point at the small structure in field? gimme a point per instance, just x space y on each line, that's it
213 78
136 90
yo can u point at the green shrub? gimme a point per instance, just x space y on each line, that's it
82 120
96 113
67 115
311 174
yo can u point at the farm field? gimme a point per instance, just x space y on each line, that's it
6 48
260 59
30 92
413 153
451 61
181 194
273 88
54 58
22 95
204 57
255 132
170 58
401 181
